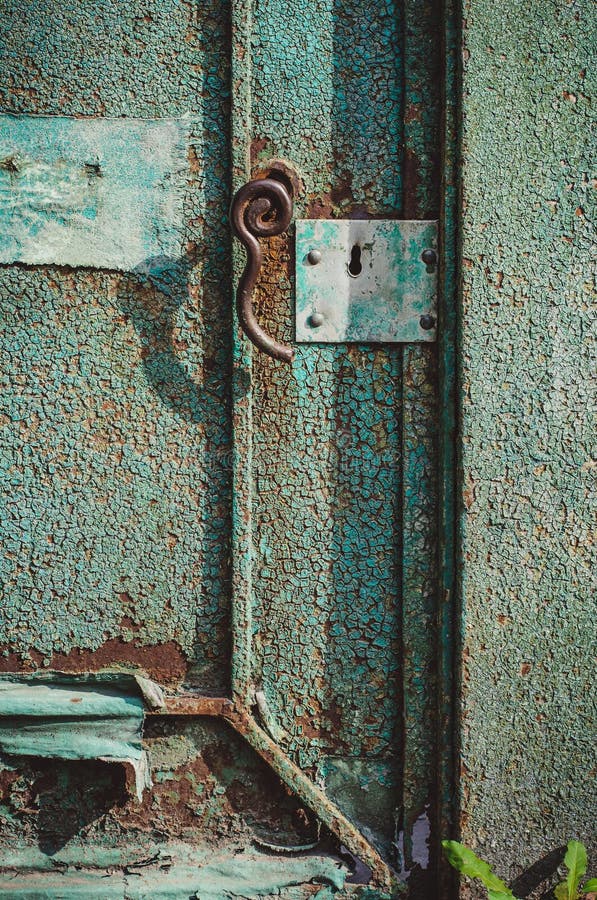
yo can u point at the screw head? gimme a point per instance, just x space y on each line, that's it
316 319
426 322
314 257
429 257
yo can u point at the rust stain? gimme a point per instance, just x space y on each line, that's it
295 779
413 113
164 663
192 705
259 148
8 779
213 792
179 803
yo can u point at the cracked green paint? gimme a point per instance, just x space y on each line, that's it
354 425
319 89
123 407
115 413
527 374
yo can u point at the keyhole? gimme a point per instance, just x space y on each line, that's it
355 266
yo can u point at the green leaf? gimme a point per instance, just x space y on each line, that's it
576 863
589 887
561 891
469 864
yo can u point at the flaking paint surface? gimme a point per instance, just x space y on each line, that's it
313 99
110 462
329 535
115 414
340 562
528 404
334 539
423 76
208 791
151 58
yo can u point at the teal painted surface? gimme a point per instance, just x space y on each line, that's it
368 789
528 401
111 462
115 420
151 59
102 193
117 425
384 301
58 719
330 669
347 543
199 875
333 67
447 486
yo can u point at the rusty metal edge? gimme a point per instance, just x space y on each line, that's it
194 705
292 776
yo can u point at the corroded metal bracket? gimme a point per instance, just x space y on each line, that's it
365 281
292 776
261 208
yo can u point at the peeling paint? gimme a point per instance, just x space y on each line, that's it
246 877
419 839
121 473
60 718
209 790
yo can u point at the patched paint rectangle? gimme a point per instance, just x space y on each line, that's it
105 193
386 293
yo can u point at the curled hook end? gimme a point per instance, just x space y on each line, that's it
261 208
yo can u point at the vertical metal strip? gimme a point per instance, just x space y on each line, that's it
446 741
242 412
419 449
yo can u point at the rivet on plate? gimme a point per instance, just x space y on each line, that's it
316 319
429 257
426 322
314 257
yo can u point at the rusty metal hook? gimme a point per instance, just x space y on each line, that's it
261 208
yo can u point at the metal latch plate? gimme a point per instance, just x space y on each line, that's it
366 280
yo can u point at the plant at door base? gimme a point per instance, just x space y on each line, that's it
468 863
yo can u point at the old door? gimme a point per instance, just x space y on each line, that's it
235 555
